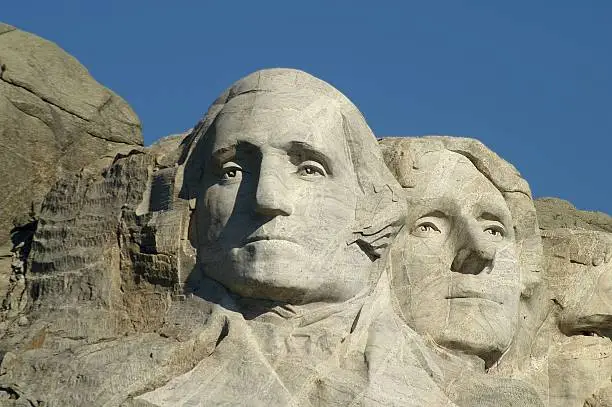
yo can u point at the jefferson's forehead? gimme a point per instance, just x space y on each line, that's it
451 180
443 172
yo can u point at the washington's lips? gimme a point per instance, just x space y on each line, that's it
473 297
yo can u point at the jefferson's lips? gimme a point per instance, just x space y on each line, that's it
472 297
476 287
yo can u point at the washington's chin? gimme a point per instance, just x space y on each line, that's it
276 258
286 286
275 270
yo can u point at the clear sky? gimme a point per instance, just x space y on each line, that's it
530 79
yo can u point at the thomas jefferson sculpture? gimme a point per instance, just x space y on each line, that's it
464 260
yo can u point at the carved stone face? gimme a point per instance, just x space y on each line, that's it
587 301
579 364
279 202
579 275
459 258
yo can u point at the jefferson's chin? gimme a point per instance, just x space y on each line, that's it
479 327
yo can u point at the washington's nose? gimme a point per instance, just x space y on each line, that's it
271 197
475 254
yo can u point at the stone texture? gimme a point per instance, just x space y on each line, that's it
561 346
579 276
278 255
54 119
103 270
556 213
294 210
467 263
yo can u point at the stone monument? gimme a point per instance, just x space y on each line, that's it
294 211
277 254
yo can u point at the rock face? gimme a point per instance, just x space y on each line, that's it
470 247
278 255
54 119
578 272
556 213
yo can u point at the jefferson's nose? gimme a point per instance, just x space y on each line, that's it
272 198
475 252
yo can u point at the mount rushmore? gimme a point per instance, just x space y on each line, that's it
280 254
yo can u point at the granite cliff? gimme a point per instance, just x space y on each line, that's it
119 288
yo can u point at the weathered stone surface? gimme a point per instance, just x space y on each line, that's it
278 255
54 119
561 344
467 262
99 284
556 213
294 210
579 276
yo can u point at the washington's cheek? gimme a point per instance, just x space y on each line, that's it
326 213
219 204
336 200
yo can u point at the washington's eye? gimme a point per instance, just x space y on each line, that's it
496 232
231 172
311 169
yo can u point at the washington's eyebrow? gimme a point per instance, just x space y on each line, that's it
306 151
224 154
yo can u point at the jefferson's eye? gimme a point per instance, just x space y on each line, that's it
311 169
231 172
426 229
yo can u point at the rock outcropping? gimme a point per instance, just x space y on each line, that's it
556 213
312 268
54 119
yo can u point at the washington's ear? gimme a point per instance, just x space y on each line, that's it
380 216
374 243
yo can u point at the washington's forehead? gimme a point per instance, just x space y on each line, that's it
261 123
303 100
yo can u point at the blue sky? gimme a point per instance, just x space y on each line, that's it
530 79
